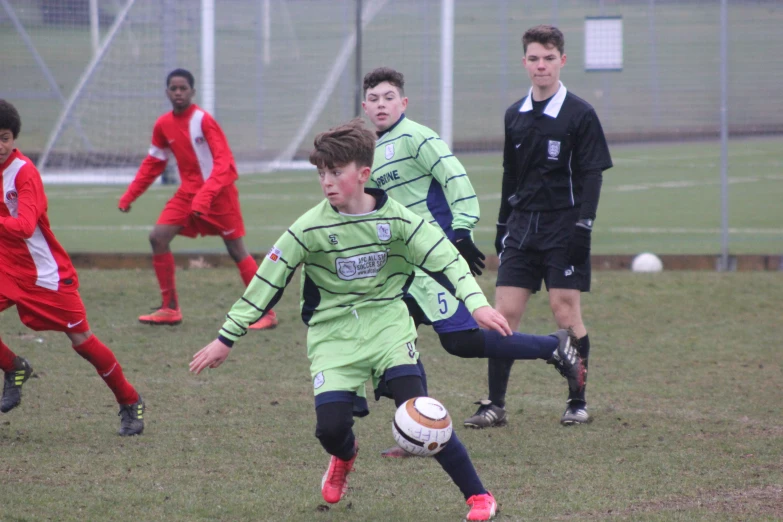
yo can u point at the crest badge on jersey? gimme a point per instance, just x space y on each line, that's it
346 268
389 150
553 149
384 231
12 201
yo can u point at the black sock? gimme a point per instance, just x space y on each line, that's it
498 373
518 345
455 461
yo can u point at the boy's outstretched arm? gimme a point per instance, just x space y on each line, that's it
439 259
260 296
152 167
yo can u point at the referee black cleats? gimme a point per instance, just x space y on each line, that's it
567 361
488 415
12 385
576 413
132 418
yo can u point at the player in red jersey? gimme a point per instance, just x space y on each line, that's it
207 202
38 277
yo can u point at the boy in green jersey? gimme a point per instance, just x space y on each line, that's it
416 168
359 249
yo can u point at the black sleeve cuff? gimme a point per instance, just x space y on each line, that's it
461 233
226 341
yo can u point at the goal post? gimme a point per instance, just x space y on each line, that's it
88 72
271 72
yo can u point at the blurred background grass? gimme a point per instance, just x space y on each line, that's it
663 198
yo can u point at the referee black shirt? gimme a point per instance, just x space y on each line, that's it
554 153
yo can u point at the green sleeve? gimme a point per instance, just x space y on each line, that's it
266 287
438 258
434 156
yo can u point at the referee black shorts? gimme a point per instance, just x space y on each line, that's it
534 249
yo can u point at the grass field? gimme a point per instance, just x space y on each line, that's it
663 198
685 388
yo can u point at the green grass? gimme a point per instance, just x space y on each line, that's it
685 389
663 198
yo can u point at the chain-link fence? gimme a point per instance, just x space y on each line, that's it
279 63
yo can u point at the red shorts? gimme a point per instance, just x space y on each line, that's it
224 218
42 309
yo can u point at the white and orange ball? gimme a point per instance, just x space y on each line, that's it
422 426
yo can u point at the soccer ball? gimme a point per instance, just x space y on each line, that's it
422 426
646 262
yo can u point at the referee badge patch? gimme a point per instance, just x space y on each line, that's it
389 150
554 149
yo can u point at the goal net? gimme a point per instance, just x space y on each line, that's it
284 70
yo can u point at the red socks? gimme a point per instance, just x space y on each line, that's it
100 356
247 269
164 269
6 358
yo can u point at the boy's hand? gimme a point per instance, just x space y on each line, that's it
211 356
471 253
489 318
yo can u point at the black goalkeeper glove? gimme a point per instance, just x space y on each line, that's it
471 253
578 251
499 237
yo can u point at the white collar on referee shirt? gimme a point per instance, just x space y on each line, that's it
554 105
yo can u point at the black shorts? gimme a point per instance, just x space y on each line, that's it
534 249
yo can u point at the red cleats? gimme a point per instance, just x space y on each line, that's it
335 481
164 315
482 507
267 322
396 452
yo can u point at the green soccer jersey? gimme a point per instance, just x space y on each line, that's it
351 262
417 169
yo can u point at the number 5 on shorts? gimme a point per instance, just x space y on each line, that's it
444 306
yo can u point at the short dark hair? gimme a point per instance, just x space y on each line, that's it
9 118
546 35
181 73
341 145
384 74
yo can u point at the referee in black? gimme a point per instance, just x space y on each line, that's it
554 155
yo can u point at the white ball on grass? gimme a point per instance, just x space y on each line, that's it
646 262
422 426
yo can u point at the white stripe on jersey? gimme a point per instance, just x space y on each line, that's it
45 265
158 153
200 145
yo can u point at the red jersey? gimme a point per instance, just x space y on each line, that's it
206 164
29 252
